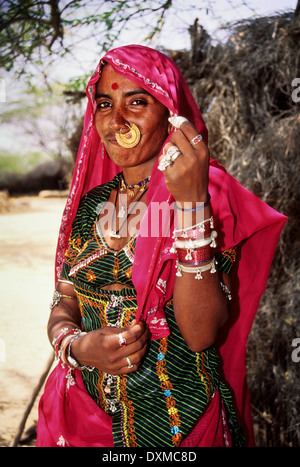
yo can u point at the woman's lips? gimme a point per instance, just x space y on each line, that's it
112 140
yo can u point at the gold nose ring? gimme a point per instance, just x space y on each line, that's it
131 138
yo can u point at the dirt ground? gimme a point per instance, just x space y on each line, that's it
28 233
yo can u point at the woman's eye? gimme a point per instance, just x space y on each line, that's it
139 102
103 105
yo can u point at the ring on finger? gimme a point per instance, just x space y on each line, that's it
122 340
130 365
164 163
196 140
169 158
172 153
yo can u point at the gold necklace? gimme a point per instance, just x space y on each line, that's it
141 185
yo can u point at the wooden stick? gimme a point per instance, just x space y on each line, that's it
32 401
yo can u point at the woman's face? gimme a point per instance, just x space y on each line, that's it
120 102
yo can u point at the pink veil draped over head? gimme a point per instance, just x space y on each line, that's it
240 217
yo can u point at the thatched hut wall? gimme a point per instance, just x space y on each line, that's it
245 89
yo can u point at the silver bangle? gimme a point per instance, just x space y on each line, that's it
197 270
65 281
200 227
198 243
61 335
193 244
72 361
57 296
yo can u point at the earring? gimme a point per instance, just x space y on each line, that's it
129 139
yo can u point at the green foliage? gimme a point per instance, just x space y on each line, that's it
77 84
18 164
26 26
32 33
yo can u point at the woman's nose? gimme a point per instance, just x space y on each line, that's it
118 120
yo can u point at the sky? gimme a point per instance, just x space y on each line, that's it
175 32
224 11
174 36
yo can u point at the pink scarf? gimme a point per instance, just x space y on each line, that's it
69 417
241 218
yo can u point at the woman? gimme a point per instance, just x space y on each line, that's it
147 300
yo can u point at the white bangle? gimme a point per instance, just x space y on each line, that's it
200 227
198 243
198 270
71 360
65 281
193 244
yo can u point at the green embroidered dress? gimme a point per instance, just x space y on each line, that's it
160 403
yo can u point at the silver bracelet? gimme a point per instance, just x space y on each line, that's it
200 227
57 296
198 243
226 291
193 244
72 361
197 270
61 335
65 281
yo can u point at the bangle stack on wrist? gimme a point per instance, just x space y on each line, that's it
193 246
62 348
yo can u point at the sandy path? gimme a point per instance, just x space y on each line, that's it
28 240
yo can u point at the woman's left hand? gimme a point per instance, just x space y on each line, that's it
187 177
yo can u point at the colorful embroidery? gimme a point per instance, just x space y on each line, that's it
72 250
129 250
116 269
167 387
127 415
226 259
152 406
101 393
83 264
200 359
91 276
128 272
161 285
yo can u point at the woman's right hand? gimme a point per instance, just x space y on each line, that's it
101 348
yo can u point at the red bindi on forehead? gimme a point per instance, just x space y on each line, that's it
114 86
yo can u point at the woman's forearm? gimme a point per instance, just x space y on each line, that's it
65 313
200 305
200 309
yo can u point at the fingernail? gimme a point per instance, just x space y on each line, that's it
177 121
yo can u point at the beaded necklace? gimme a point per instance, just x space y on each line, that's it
141 185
